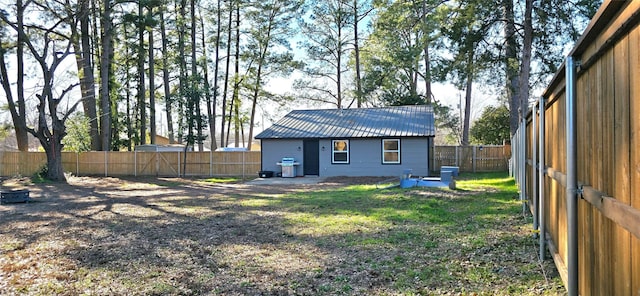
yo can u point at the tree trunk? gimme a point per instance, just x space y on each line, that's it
20 125
356 52
55 170
152 89
225 141
195 79
105 71
211 102
191 101
525 65
256 91
165 78
467 99
511 66
50 137
427 74
19 122
215 71
141 84
236 84
467 111
182 81
87 80
231 108
131 133
339 65
427 58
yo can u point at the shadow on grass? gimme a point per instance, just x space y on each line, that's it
194 238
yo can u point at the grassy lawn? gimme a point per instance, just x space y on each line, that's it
186 237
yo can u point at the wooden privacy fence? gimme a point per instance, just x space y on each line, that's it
579 158
228 163
137 163
473 158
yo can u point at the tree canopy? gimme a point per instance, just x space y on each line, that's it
196 69
492 127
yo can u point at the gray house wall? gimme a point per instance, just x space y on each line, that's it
273 150
365 157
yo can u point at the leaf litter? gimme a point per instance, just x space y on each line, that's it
155 236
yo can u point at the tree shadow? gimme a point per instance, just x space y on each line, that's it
196 238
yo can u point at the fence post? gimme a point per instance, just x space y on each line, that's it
77 163
572 184
522 143
474 159
157 158
541 177
210 163
135 163
106 164
534 173
457 156
179 165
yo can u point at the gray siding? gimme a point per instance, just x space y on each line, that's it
366 158
273 150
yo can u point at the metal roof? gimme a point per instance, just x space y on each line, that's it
400 121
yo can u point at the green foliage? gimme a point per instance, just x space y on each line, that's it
5 130
492 127
400 97
393 55
77 138
447 123
557 25
327 37
463 38
40 176
466 35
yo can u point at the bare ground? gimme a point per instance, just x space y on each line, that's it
111 236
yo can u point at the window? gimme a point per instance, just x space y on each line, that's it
391 151
340 151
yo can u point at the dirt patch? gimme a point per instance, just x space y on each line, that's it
173 236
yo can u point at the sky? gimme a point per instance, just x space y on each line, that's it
270 113
447 94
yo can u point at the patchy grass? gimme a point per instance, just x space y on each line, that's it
174 237
222 180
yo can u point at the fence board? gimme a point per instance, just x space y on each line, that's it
604 141
197 163
119 163
142 163
489 159
620 170
113 163
634 111
608 137
22 163
91 163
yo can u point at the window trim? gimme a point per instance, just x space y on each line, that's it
333 151
399 161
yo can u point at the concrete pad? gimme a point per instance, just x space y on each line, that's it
287 181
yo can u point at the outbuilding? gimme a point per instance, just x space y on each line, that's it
352 142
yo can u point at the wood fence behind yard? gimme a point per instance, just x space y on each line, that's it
231 163
473 158
100 163
602 255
